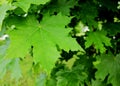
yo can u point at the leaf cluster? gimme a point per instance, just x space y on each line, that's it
60 43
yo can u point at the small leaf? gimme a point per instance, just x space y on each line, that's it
98 39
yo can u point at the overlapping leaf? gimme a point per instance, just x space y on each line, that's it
15 69
11 65
41 80
112 28
44 38
109 65
25 4
61 6
88 13
65 6
4 65
98 83
4 6
72 77
98 39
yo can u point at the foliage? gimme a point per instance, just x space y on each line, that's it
59 43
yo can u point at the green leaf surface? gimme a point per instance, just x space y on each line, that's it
51 82
62 81
4 65
65 5
41 80
3 49
98 83
72 77
109 64
10 66
15 69
62 6
28 62
3 9
98 39
44 38
25 4
68 78
88 12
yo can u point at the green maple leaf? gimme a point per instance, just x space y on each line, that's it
51 32
61 6
109 64
65 6
25 4
88 13
98 39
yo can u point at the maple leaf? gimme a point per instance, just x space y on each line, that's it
88 13
65 6
98 39
25 4
44 37
61 6
109 64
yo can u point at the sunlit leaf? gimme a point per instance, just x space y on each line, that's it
44 37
